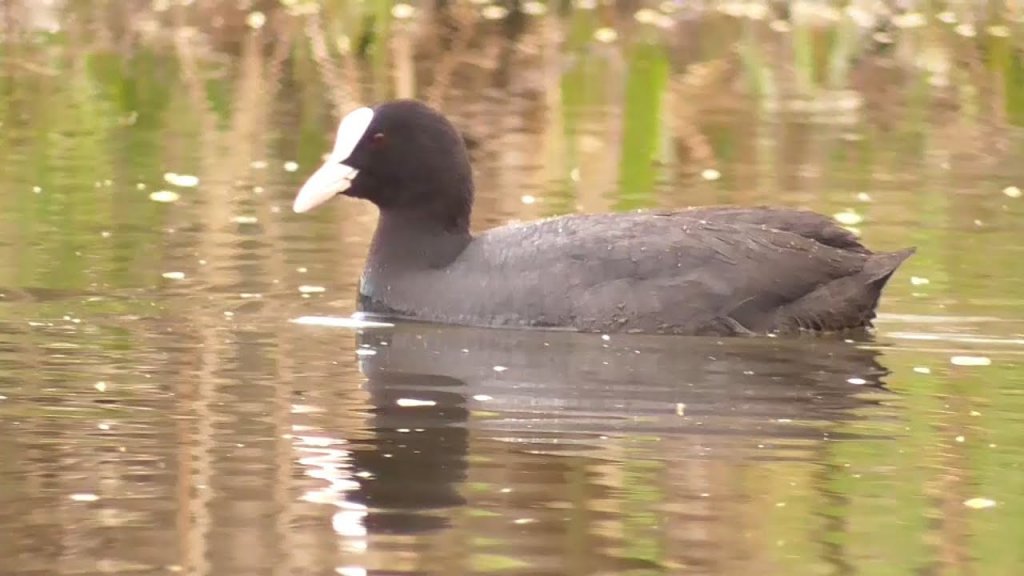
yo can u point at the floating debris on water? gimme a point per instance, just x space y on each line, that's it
528 199
482 397
182 180
919 281
909 20
413 402
290 166
922 370
258 164
751 10
534 8
245 220
979 503
256 20
84 497
857 381
970 361
606 35
174 275
680 409
494 12
710 174
998 30
339 322
499 368
966 30
1012 192
864 197
164 196
848 217
403 11
100 386
646 16
310 289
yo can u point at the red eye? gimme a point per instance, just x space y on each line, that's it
377 141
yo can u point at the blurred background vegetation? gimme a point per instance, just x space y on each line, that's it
903 114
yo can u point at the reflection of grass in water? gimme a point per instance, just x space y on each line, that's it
486 563
931 413
1011 63
646 81
994 448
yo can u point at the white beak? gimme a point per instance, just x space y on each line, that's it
334 177
328 181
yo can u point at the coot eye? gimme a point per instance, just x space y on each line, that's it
377 141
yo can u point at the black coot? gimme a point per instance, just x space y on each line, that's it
714 271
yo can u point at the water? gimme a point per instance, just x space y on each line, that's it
163 411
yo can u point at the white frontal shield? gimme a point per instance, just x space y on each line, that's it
334 177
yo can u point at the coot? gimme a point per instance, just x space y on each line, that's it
702 271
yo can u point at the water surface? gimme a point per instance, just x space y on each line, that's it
161 410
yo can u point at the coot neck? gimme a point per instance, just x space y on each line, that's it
407 241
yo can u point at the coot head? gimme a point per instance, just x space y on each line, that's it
404 157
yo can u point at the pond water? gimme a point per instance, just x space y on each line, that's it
174 398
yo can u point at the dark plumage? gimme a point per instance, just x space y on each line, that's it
711 270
